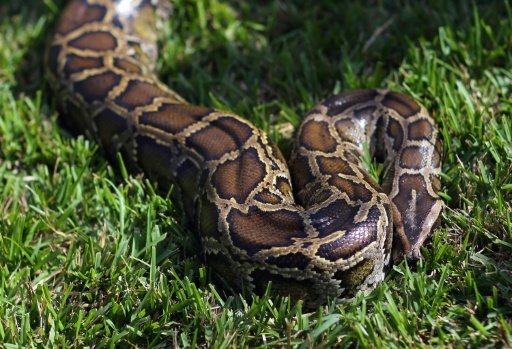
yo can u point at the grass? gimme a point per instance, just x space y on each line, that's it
91 257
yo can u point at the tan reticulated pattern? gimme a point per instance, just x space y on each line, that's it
329 238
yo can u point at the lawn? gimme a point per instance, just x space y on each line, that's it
91 256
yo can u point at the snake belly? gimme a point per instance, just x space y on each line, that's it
329 238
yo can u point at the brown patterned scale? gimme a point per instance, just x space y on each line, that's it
330 238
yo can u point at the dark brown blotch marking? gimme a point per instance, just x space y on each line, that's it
267 197
127 65
403 105
301 172
76 64
414 157
237 178
97 87
294 260
334 166
137 94
240 130
220 137
420 129
395 131
78 13
354 190
95 41
174 118
257 230
337 216
357 237
315 135
341 102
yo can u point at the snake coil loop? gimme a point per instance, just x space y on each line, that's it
329 238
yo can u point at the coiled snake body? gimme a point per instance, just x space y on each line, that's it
329 238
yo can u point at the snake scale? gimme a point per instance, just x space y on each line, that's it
334 235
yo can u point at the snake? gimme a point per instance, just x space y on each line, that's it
316 227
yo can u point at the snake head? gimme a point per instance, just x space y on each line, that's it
415 203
